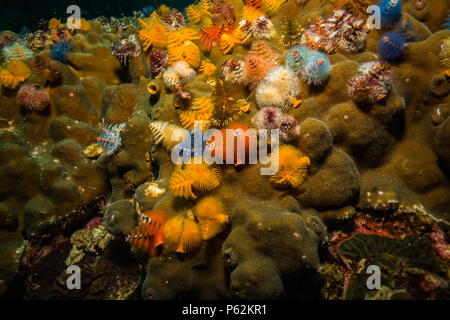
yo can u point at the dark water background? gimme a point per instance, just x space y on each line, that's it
17 13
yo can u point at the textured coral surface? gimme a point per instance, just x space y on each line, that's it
89 119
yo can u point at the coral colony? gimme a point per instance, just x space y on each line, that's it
213 151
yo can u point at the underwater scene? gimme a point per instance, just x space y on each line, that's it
226 150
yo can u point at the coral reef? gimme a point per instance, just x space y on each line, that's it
92 119
406 261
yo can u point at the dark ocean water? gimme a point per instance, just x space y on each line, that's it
29 13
